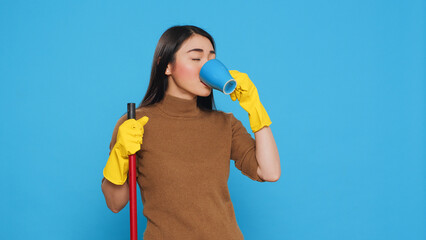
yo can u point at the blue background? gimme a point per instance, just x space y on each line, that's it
343 83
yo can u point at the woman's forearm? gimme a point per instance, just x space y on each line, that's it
267 155
116 196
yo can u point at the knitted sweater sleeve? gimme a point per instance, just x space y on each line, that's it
243 150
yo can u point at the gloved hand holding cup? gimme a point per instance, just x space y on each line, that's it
239 86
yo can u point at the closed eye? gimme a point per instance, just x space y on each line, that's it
196 59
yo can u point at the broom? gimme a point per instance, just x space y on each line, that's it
132 182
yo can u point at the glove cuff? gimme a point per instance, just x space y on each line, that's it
258 118
116 168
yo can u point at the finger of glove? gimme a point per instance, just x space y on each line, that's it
245 82
130 125
242 79
236 76
128 146
233 96
132 140
133 148
234 73
129 141
238 94
136 139
130 133
143 120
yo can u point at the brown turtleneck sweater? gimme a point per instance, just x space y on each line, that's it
183 170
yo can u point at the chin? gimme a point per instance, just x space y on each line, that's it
204 93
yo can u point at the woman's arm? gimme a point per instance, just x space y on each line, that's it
266 150
126 140
267 155
116 196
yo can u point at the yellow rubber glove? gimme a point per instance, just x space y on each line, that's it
129 140
247 95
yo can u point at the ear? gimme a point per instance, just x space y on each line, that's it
168 70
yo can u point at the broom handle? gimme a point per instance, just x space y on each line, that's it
132 183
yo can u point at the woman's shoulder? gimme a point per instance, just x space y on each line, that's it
144 111
228 116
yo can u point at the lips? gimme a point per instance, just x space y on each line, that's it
204 83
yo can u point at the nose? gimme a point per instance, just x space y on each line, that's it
204 61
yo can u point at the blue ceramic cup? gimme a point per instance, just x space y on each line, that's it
216 75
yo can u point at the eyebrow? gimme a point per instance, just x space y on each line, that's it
200 50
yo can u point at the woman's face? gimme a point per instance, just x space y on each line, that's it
184 73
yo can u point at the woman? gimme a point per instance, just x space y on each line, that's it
183 152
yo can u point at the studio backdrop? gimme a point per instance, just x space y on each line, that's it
343 83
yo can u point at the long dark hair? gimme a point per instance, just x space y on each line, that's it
169 43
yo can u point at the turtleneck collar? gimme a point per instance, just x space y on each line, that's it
179 107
